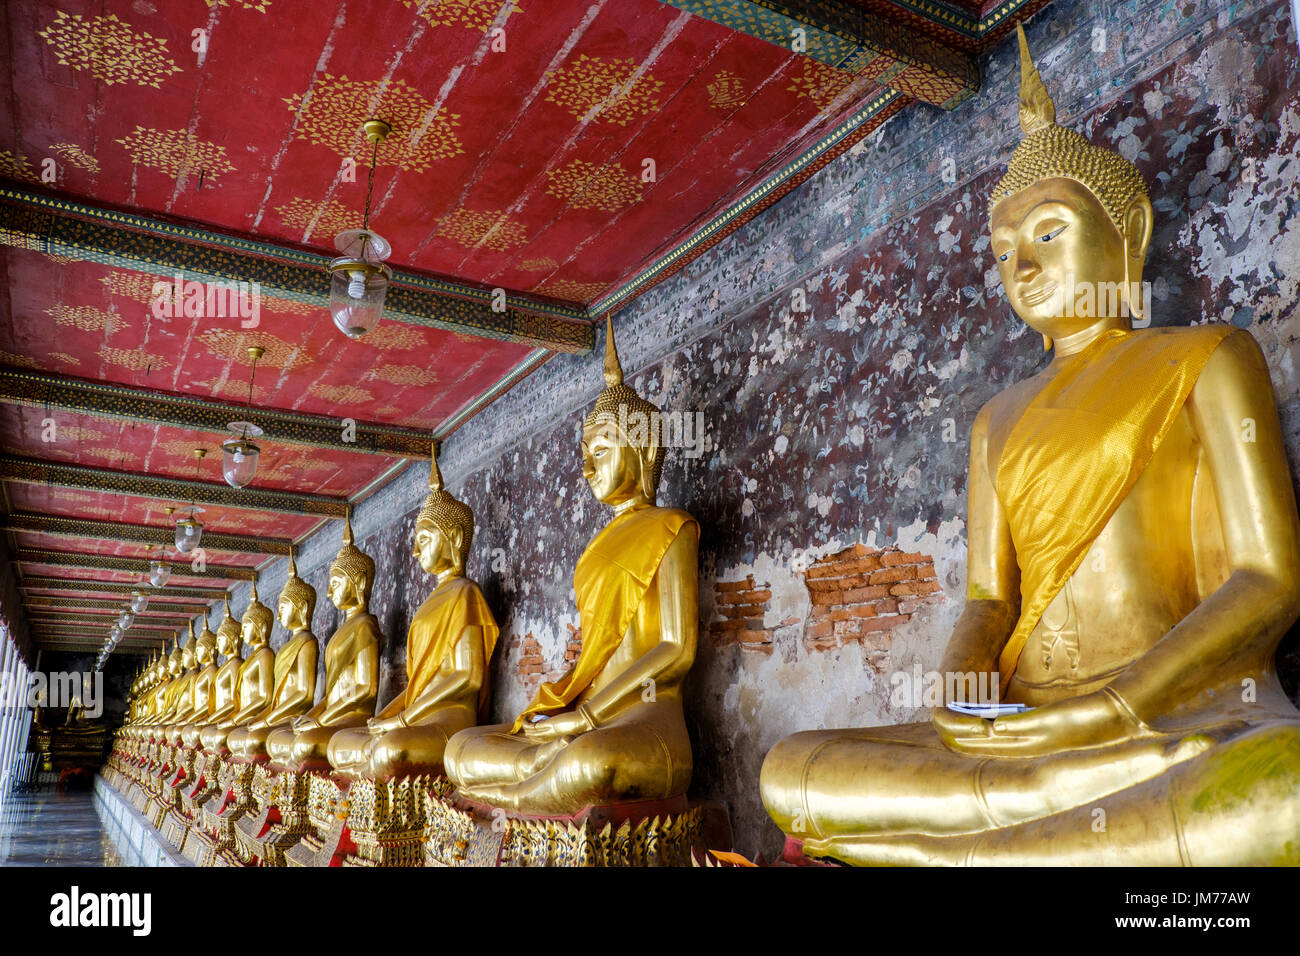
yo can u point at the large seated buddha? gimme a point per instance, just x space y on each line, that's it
1133 563
351 667
293 671
448 648
611 729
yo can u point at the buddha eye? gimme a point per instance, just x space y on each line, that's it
1048 237
1004 257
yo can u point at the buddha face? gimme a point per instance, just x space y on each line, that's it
187 657
611 466
290 615
436 548
251 632
1064 264
224 643
203 654
343 592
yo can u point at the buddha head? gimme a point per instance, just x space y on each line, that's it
229 634
205 646
297 601
444 527
621 454
188 657
1070 223
256 622
351 575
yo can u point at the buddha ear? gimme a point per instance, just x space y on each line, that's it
647 455
1138 222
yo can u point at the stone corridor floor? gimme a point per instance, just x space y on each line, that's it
48 828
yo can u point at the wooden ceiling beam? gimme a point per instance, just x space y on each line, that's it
81 528
32 582
37 602
104 562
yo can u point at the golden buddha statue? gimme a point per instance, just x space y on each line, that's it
293 672
203 691
181 694
252 684
1134 561
448 648
611 729
351 667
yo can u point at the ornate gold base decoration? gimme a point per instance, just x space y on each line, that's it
175 828
386 821
327 810
459 833
282 820
204 784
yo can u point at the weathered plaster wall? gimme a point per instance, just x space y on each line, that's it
836 437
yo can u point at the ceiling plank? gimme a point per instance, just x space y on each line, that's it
37 472
35 582
104 562
841 34
34 602
138 534
126 240
101 399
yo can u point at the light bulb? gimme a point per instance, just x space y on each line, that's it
357 287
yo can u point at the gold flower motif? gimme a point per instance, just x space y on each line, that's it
726 92
572 291
56 259
543 264
176 152
289 306
603 89
341 394
258 5
327 218
585 185
490 228
137 360
113 455
15 166
332 111
76 433
394 335
404 375
474 14
85 318
233 390
65 357
235 343
110 49
820 82
131 285
9 358
77 156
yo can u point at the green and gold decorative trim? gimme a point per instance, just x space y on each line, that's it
135 533
43 390
78 231
106 562
37 617
36 472
41 601
36 582
530 364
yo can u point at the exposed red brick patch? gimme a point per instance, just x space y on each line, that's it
742 606
532 665
574 647
861 594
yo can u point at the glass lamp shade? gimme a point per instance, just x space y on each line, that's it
139 601
159 573
125 619
359 281
189 532
239 455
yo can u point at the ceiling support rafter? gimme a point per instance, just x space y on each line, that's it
33 582
104 562
125 240
34 471
81 528
101 399
38 602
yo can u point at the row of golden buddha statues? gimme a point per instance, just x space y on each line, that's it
1133 563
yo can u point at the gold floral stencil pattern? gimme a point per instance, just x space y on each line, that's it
542 264
110 49
176 152
327 218
820 82
404 375
331 113
9 358
131 285
232 390
605 89
394 335
726 92
65 357
572 291
474 14
341 394
585 185
75 155
258 5
137 360
85 318
15 166
490 228
235 343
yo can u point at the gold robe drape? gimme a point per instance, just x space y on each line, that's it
436 627
1080 446
611 579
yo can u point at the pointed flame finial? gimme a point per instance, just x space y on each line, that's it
253 600
1037 110
613 370
191 623
347 526
435 475
293 566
